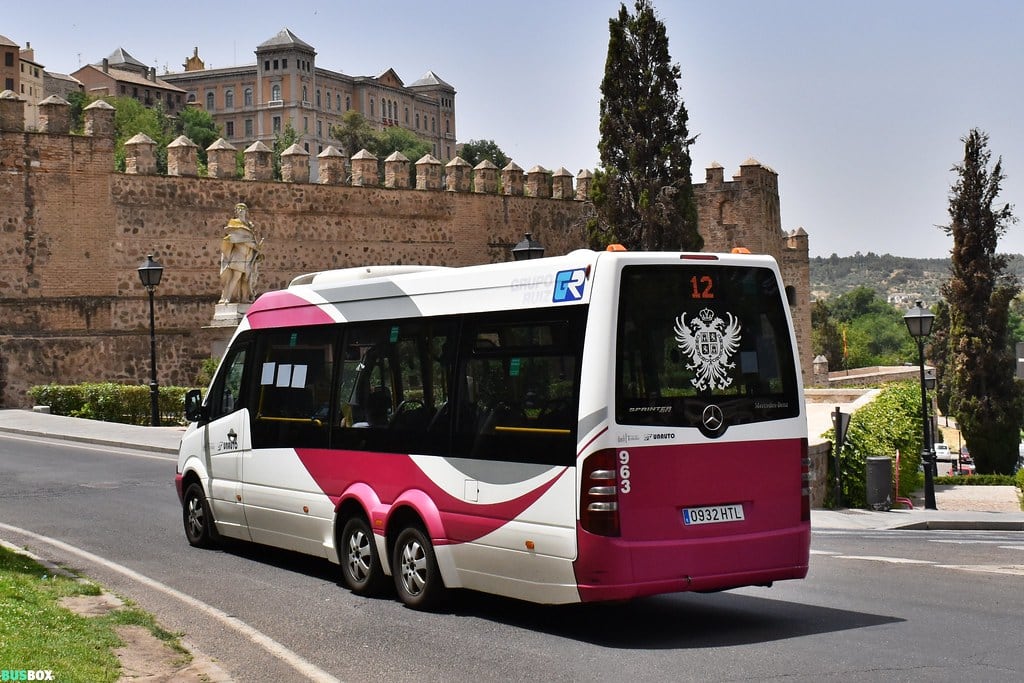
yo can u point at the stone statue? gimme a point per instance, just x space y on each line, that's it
240 257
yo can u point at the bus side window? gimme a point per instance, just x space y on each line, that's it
293 372
227 392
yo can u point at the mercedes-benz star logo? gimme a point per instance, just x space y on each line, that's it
713 418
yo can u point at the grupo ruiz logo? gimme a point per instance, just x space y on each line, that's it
26 675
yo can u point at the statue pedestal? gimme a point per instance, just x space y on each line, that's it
225 319
228 315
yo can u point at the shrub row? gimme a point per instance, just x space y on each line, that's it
978 480
109 402
890 423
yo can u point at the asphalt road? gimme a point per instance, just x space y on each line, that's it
877 606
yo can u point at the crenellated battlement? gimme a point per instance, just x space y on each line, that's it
73 232
333 167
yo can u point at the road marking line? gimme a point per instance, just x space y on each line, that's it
1016 569
275 648
878 558
823 552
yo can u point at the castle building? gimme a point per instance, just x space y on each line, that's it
256 102
121 75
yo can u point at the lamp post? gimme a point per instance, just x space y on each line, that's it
527 248
150 273
919 324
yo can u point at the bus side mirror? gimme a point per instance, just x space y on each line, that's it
791 295
194 409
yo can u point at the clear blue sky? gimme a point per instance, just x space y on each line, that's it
859 106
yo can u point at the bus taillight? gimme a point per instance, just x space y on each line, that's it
599 495
805 483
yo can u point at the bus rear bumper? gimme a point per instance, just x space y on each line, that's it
616 569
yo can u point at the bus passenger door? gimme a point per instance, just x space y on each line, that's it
227 442
285 505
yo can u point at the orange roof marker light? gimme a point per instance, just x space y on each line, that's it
615 247
740 250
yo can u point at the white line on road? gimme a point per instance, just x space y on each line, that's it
275 648
878 558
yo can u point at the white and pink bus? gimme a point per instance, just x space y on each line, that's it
595 426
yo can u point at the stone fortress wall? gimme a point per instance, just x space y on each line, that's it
73 232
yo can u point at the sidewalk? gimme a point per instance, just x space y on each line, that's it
959 507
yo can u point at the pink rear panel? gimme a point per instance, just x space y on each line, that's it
658 553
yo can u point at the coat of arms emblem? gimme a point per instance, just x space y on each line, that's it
709 342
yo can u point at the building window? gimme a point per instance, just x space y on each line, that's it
277 125
209 101
348 102
407 116
328 99
433 125
318 99
339 102
229 128
229 99
447 126
275 65
275 92
371 107
305 94
9 84
8 59
247 95
417 121
305 146
284 63
248 128
305 124
266 65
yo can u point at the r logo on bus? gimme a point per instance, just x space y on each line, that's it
569 285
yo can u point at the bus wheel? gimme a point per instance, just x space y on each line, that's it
199 529
414 566
360 565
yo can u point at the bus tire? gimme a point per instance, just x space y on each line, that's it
414 567
360 565
196 516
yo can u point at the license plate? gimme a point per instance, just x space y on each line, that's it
713 514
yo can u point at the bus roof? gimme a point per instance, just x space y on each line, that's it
359 293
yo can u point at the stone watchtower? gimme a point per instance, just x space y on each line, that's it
744 212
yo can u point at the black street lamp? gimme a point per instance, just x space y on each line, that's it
528 248
150 273
919 324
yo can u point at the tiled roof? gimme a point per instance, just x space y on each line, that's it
285 38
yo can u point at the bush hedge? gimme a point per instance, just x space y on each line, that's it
109 402
890 423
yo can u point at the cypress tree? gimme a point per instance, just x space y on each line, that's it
984 395
643 195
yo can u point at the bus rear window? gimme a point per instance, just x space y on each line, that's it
699 334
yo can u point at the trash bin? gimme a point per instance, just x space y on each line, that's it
879 483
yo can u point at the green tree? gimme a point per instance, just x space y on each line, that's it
198 126
827 335
860 329
78 101
282 141
643 194
132 118
353 133
983 394
475 151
